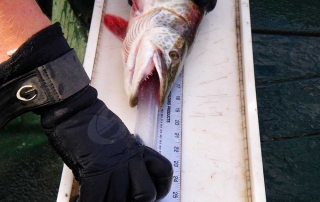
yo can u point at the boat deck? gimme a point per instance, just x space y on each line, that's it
286 46
286 56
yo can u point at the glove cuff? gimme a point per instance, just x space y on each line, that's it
43 71
43 47
46 85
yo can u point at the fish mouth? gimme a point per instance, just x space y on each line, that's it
152 78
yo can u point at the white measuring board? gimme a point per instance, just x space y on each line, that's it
220 142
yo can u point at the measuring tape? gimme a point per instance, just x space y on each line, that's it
169 136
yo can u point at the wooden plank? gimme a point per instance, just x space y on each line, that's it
290 15
289 108
291 169
75 34
279 57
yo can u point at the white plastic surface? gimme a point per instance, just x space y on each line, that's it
213 160
221 154
256 189
65 185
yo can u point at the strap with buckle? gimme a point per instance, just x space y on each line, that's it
46 85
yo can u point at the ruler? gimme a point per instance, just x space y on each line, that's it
168 139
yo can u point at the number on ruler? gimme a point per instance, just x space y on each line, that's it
177 135
177 122
176 149
175 194
177 110
175 178
176 163
178 97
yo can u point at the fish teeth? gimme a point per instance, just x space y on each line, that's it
148 76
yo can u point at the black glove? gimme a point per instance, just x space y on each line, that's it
209 5
105 158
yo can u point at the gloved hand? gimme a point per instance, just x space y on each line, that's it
106 159
209 5
45 76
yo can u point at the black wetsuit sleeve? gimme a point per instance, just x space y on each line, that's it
209 5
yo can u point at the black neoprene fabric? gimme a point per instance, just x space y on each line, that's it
41 48
209 5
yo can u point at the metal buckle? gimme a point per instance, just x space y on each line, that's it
26 93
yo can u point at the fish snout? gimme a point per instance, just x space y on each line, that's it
162 71
151 71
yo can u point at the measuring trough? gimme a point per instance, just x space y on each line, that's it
220 143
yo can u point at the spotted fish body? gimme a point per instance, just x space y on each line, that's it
156 41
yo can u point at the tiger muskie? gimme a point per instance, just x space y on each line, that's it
156 41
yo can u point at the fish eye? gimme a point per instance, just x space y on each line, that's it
174 55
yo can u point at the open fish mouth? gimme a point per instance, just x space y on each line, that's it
152 74
150 85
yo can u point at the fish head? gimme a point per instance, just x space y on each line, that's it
159 59
173 48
